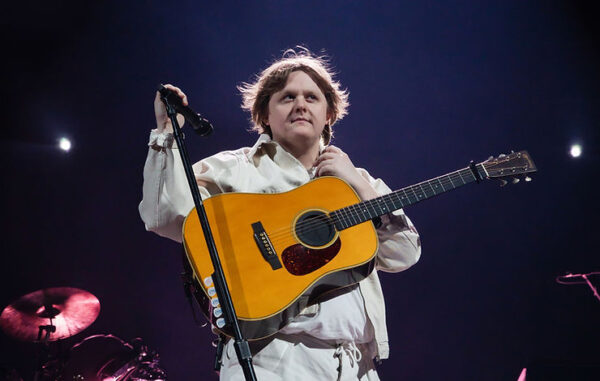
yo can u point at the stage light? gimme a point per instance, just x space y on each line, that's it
64 144
576 150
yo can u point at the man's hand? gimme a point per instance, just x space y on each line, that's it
334 162
163 123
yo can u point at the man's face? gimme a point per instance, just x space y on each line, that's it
298 112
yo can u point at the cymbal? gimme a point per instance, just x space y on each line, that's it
69 309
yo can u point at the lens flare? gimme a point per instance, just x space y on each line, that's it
64 144
576 150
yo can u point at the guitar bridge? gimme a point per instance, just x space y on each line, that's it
264 245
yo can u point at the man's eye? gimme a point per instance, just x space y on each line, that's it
288 96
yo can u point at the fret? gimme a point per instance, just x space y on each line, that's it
381 210
352 216
336 220
383 203
346 219
442 185
390 202
367 210
342 220
405 197
343 216
358 209
484 174
470 176
385 209
371 205
398 200
431 186
451 182
415 193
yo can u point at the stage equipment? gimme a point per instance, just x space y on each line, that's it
50 314
200 125
106 357
218 284
579 279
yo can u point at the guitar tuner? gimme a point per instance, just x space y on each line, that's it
528 179
515 180
503 182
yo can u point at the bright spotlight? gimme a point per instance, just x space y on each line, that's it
576 150
64 144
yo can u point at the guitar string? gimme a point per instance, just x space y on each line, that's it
350 215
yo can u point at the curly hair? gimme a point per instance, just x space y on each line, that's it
256 95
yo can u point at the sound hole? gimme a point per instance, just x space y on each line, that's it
314 228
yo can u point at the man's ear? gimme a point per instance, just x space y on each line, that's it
329 117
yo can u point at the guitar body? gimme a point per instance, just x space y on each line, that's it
279 252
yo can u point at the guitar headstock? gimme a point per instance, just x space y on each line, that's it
511 165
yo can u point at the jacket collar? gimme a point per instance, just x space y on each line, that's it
270 147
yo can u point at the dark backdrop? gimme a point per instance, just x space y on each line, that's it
432 86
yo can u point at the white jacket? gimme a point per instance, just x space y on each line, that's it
265 168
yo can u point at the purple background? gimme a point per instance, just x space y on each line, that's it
431 87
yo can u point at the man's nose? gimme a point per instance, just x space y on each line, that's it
300 104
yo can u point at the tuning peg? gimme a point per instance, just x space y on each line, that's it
503 182
528 179
515 180
501 156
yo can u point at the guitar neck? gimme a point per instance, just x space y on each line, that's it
367 210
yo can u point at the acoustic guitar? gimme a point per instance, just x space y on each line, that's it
280 252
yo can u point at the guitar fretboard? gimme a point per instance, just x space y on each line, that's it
367 210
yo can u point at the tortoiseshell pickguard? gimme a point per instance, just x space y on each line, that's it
301 260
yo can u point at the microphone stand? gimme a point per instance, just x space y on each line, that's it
240 343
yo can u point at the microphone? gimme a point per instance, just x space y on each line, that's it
200 125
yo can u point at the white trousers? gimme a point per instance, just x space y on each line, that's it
301 357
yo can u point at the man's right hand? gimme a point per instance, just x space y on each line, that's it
163 123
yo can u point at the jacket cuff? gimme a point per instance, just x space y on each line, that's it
161 140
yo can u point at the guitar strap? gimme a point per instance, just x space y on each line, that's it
187 278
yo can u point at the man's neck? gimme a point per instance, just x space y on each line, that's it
307 155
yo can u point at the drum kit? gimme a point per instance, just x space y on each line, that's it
48 316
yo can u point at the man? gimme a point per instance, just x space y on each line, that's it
293 103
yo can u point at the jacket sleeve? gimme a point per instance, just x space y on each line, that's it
167 198
399 242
